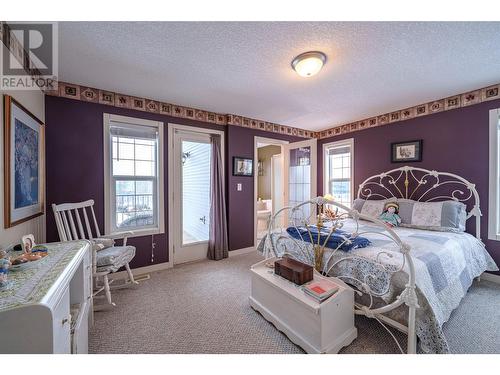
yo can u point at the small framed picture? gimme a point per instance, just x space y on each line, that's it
242 166
403 152
28 241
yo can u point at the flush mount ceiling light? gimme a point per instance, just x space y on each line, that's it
309 63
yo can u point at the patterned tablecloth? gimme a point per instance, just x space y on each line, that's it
30 285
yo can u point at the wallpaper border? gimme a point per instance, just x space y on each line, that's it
452 102
94 95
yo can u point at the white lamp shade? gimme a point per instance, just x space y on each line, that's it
309 63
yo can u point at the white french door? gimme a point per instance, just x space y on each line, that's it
191 195
300 172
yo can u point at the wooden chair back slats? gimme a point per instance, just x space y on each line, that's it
72 225
87 224
79 223
59 226
95 221
66 226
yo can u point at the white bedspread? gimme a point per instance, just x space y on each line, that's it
445 267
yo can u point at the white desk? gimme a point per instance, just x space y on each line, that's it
316 327
35 312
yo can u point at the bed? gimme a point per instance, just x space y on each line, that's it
408 278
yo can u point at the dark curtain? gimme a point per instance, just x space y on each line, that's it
217 242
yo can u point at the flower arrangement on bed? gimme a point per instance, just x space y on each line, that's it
410 265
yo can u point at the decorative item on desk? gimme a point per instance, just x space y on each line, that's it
40 250
31 253
4 270
28 242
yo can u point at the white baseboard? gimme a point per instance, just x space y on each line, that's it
246 250
141 270
164 266
490 277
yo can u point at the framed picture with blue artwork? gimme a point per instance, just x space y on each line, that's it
24 139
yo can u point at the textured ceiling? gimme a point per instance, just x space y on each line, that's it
244 68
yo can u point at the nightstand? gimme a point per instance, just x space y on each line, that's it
316 327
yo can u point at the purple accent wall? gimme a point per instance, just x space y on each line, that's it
454 141
75 169
240 142
75 164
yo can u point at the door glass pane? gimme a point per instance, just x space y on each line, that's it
299 177
195 191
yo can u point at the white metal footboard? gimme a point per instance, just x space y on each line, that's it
315 252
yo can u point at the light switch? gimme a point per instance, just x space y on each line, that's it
239 187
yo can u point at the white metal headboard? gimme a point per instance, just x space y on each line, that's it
423 185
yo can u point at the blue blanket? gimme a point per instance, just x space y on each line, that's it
338 238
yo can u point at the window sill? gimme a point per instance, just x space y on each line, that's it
494 237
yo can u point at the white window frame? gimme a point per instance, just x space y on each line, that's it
326 173
494 186
109 190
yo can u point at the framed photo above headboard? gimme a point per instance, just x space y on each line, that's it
404 152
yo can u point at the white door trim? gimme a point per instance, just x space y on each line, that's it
256 140
171 129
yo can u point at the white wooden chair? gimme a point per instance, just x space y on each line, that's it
106 257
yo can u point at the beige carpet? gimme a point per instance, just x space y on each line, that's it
203 308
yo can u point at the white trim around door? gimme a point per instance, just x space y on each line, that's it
256 141
172 128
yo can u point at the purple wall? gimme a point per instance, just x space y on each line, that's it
75 163
240 142
75 169
454 141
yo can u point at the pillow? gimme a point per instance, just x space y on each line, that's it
372 208
445 216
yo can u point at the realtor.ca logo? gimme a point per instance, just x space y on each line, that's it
29 58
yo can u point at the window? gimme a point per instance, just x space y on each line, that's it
494 201
133 174
338 170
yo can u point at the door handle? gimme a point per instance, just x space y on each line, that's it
203 219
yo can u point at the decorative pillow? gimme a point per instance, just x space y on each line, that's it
445 216
372 208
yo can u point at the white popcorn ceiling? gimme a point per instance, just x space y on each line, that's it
244 68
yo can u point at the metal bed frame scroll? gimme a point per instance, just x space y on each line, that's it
407 182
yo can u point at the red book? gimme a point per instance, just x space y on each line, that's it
318 289
321 289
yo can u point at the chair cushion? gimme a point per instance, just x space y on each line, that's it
99 244
113 258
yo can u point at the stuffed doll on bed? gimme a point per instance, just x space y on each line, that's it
390 215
